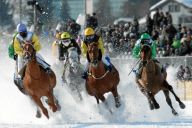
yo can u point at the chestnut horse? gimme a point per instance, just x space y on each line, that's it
153 79
101 81
37 82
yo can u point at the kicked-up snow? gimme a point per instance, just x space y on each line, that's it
18 111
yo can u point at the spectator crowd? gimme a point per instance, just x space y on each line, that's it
170 40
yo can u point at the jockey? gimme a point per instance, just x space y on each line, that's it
145 39
57 35
23 36
90 37
65 43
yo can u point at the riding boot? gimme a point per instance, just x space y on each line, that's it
85 75
107 63
48 70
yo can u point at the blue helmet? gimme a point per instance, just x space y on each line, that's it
21 27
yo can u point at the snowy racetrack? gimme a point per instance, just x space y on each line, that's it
17 110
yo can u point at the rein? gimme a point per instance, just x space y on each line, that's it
98 78
34 77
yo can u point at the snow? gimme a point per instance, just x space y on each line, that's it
18 111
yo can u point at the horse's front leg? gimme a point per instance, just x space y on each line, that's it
116 97
141 85
102 98
39 103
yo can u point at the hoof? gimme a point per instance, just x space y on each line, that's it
54 108
38 114
118 104
174 113
151 106
58 106
182 105
45 112
156 106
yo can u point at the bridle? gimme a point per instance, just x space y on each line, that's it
28 55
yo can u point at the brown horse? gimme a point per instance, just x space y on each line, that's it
37 82
153 80
99 80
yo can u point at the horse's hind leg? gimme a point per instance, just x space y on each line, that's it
170 88
166 92
51 101
116 97
39 103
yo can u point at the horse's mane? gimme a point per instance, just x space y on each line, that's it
72 49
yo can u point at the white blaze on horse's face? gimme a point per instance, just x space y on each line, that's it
73 59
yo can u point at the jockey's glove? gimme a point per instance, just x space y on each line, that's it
144 62
61 58
15 57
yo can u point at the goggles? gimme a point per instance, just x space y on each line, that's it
66 42
146 42
23 34
90 39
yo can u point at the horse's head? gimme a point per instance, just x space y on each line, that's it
94 54
146 52
29 51
73 58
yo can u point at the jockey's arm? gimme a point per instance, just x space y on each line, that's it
101 46
84 49
17 47
36 43
136 51
153 50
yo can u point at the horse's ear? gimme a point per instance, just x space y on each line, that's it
88 58
100 55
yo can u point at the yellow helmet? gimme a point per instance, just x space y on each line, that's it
65 35
89 31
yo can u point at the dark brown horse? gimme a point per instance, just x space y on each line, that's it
101 81
37 82
154 80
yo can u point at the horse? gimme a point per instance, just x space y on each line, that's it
73 73
37 82
153 80
100 80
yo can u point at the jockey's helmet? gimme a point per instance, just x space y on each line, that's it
145 39
21 28
90 36
65 35
66 38
89 31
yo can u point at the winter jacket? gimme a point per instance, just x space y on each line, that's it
84 46
19 41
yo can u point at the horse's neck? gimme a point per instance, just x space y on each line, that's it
33 67
99 70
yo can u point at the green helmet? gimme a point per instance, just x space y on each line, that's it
145 36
